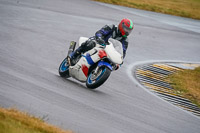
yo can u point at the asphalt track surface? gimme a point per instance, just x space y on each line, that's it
34 37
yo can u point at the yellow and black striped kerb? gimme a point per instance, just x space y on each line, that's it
153 77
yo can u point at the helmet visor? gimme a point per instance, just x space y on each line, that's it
126 29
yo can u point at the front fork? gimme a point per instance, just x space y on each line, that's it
96 70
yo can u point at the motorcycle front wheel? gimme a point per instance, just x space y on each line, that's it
64 69
95 80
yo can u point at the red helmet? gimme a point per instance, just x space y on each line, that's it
125 27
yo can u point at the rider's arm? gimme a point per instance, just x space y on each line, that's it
125 46
104 33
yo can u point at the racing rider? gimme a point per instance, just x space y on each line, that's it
119 33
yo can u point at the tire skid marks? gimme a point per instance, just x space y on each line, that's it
153 77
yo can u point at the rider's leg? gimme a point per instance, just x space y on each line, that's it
86 46
75 53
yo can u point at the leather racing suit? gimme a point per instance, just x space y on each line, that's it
102 36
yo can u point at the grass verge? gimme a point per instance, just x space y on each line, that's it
13 121
183 8
187 84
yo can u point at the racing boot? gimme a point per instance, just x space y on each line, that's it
74 56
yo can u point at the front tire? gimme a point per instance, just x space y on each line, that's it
64 69
94 81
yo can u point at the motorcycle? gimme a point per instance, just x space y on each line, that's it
94 66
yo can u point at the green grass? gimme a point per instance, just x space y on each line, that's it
187 84
184 8
13 121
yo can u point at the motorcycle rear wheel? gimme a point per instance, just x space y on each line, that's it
93 81
64 69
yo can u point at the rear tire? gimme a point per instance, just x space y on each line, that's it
64 69
94 81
